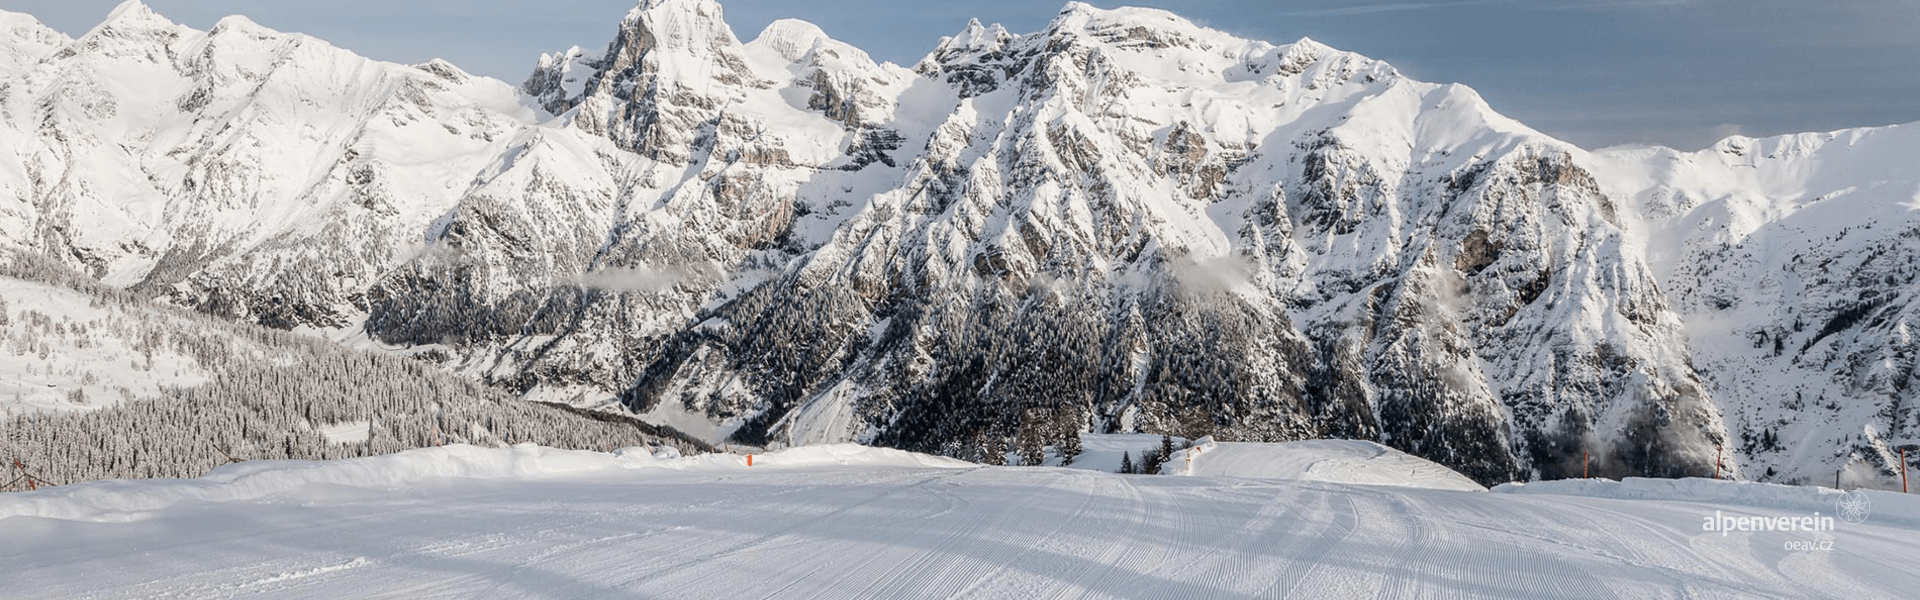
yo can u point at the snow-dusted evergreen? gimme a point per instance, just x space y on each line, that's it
231 392
1123 222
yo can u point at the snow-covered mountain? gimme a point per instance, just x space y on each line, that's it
23 40
1792 262
99 383
1123 222
254 174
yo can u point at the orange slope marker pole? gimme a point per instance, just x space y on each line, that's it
1718 452
1903 470
749 460
23 474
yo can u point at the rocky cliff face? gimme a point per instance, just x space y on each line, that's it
1124 222
1792 261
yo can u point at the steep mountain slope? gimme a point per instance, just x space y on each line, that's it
682 168
135 390
61 352
242 171
24 41
1083 225
1792 260
1048 232
1123 222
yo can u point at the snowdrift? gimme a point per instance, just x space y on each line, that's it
126 500
1336 461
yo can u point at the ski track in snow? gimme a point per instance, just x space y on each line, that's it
985 532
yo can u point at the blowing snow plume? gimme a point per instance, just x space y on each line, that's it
644 278
1212 274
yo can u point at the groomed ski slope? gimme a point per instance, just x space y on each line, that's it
852 522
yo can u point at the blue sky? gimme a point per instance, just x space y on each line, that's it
1593 72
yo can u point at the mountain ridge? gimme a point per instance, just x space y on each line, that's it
1018 237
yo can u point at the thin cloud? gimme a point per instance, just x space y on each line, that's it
1369 9
1373 9
643 278
1617 4
1728 130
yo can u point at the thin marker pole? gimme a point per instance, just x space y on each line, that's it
23 474
1718 451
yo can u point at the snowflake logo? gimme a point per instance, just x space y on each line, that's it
1854 507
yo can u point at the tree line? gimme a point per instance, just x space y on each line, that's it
271 395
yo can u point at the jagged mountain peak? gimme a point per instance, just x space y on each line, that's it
131 17
676 83
972 43
978 35
24 40
445 70
1143 43
133 9
1143 29
1084 16
798 41
685 41
696 26
242 24
790 39
703 8
18 25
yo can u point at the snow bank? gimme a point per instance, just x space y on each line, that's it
123 500
831 455
1336 461
127 500
1887 507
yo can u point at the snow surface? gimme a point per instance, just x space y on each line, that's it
24 41
59 352
1332 461
351 432
1101 451
1340 461
1760 245
853 522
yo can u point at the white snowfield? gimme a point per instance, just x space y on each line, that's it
853 522
1335 461
61 351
